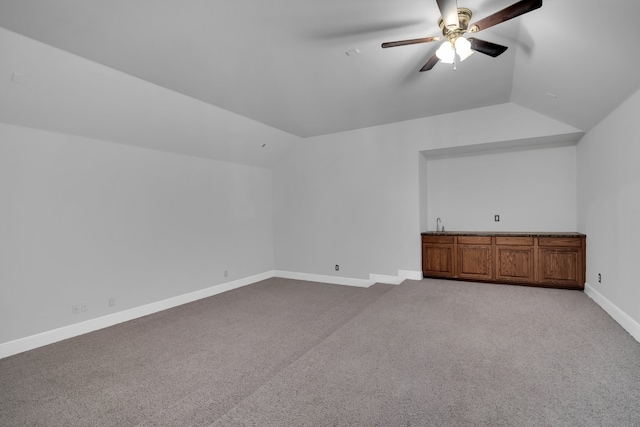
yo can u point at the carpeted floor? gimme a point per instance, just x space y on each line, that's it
283 352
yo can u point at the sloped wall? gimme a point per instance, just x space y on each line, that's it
62 92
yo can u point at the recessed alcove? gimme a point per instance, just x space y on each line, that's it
530 183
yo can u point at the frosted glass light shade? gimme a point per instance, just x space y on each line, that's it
446 53
463 48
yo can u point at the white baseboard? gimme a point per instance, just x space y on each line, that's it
324 279
382 278
34 341
348 281
396 280
49 337
410 275
629 324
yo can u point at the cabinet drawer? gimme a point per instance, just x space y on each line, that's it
566 242
437 239
514 241
474 240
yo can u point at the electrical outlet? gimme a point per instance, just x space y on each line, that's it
337 267
599 278
84 306
226 273
112 302
496 218
75 308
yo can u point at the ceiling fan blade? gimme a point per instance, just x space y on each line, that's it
506 14
488 48
430 63
412 41
449 12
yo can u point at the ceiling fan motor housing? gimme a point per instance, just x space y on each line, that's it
453 32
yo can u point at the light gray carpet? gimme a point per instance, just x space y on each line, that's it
442 353
283 352
183 366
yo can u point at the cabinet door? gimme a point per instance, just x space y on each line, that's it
561 267
437 260
475 262
514 263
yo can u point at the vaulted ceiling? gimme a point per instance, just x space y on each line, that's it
284 63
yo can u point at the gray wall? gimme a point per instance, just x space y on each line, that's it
87 220
357 198
609 206
531 190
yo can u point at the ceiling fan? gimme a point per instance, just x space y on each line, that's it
454 23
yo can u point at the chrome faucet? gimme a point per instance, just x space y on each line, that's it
438 224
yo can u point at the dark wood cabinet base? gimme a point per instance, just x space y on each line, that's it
554 260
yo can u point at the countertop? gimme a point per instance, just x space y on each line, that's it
504 233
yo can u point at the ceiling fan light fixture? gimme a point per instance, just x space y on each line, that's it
463 48
446 53
455 22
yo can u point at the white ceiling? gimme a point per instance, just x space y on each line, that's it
283 62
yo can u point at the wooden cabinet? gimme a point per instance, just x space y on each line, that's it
475 258
515 259
438 256
561 262
550 259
